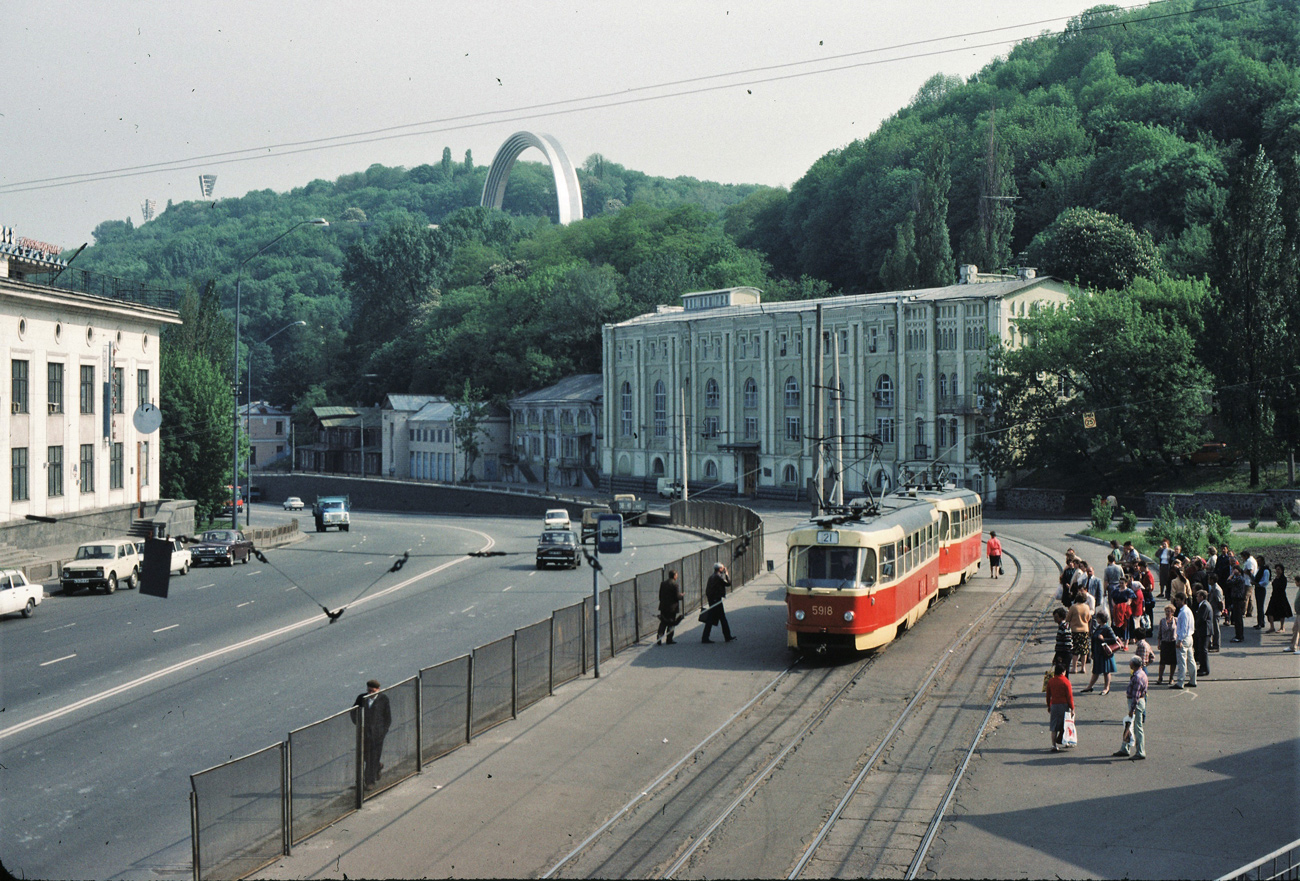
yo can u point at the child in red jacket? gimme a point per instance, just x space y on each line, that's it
1060 700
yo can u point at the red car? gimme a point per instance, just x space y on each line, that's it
1211 454
222 546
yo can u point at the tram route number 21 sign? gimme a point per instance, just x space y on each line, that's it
828 537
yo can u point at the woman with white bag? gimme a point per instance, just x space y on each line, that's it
1060 705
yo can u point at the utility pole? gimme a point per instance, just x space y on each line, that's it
817 418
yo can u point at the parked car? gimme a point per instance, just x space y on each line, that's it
222 546
1211 454
559 547
182 557
557 518
589 518
102 564
293 503
668 488
17 594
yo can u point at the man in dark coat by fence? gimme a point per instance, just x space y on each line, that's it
714 590
670 606
379 717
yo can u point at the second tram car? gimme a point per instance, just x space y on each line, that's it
961 529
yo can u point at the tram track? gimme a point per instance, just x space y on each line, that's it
770 766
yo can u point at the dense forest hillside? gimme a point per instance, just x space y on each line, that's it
1139 114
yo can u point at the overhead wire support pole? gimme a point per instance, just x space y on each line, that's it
818 391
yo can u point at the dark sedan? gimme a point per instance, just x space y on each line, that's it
222 546
559 547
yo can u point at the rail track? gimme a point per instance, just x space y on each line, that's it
832 769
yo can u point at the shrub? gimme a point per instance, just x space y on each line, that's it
1100 513
1128 520
1253 522
1164 525
1283 517
1217 527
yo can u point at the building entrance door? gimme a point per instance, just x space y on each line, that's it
749 474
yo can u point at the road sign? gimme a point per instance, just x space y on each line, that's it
147 418
1089 420
609 534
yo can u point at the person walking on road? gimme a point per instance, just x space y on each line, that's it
1137 709
994 550
1060 700
1238 590
1185 627
1103 659
1295 626
670 606
1166 632
1078 618
714 590
1279 607
378 719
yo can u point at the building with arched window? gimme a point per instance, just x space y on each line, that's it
723 388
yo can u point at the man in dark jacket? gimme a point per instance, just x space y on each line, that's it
714 590
379 716
1204 618
670 606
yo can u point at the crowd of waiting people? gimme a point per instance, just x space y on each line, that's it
1115 612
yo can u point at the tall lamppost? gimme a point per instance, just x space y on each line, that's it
248 418
239 280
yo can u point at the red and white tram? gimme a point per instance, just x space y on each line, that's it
855 583
961 527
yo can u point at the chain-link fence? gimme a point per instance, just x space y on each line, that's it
246 813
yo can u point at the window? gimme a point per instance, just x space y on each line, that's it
18 473
789 475
826 342
710 426
21 404
657 467
751 394
87 468
55 384
144 462
625 410
791 392
942 390
941 436
704 348
873 335
142 388
118 403
711 395
891 340
793 428
884 391
710 470
115 467
952 386
952 432
550 447
279 427
885 429
844 342
751 428
54 472
742 343
661 409
920 431
781 345
569 447
88 388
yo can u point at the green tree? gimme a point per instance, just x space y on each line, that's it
900 270
1250 339
194 441
988 244
1094 249
935 264
469 411
1128 357
446 163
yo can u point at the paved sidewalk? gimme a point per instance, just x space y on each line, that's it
1218 790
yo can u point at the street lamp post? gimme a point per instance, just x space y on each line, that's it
248 419
239 280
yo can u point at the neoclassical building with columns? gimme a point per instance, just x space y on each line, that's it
723 386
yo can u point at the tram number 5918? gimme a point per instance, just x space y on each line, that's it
822 610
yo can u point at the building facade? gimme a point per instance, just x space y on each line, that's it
556 433
79 365
270 435
722 389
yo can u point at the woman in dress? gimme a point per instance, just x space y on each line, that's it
1279 607
1077 619
1166 632
1103 661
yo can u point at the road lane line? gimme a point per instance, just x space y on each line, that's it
56 660
60 627
241 605
504 589
463 611
368 563
254 572
214 584
168 627
189 663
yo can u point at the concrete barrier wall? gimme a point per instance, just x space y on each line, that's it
384 494
1239 506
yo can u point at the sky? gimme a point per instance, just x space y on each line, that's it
113 103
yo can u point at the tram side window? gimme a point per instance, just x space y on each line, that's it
945 524
887 563
868 567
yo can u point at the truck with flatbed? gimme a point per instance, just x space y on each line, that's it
634 511
332 511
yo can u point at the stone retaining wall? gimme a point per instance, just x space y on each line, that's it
1239 506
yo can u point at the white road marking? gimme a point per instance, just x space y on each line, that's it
241 605
169 627
463 611
509 587
189 663
368 563
295 587
214 584
60 627
56 660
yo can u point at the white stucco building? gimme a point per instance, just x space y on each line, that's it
731 380
78 366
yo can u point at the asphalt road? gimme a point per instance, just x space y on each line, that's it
111 702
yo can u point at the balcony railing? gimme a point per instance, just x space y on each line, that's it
884 400
86 282
968 405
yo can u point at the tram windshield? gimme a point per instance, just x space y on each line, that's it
837 568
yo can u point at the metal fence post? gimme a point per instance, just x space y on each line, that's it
550 659
419 723
194 834
286 794
514 676
360 720
469 699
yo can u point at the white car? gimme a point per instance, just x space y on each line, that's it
17 594
182 559
557 518
293 503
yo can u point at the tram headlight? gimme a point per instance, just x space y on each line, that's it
798 614
848 616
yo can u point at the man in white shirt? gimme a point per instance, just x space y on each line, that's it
1165 556
1184 629
1250 566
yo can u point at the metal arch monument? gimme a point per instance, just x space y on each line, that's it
567 191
